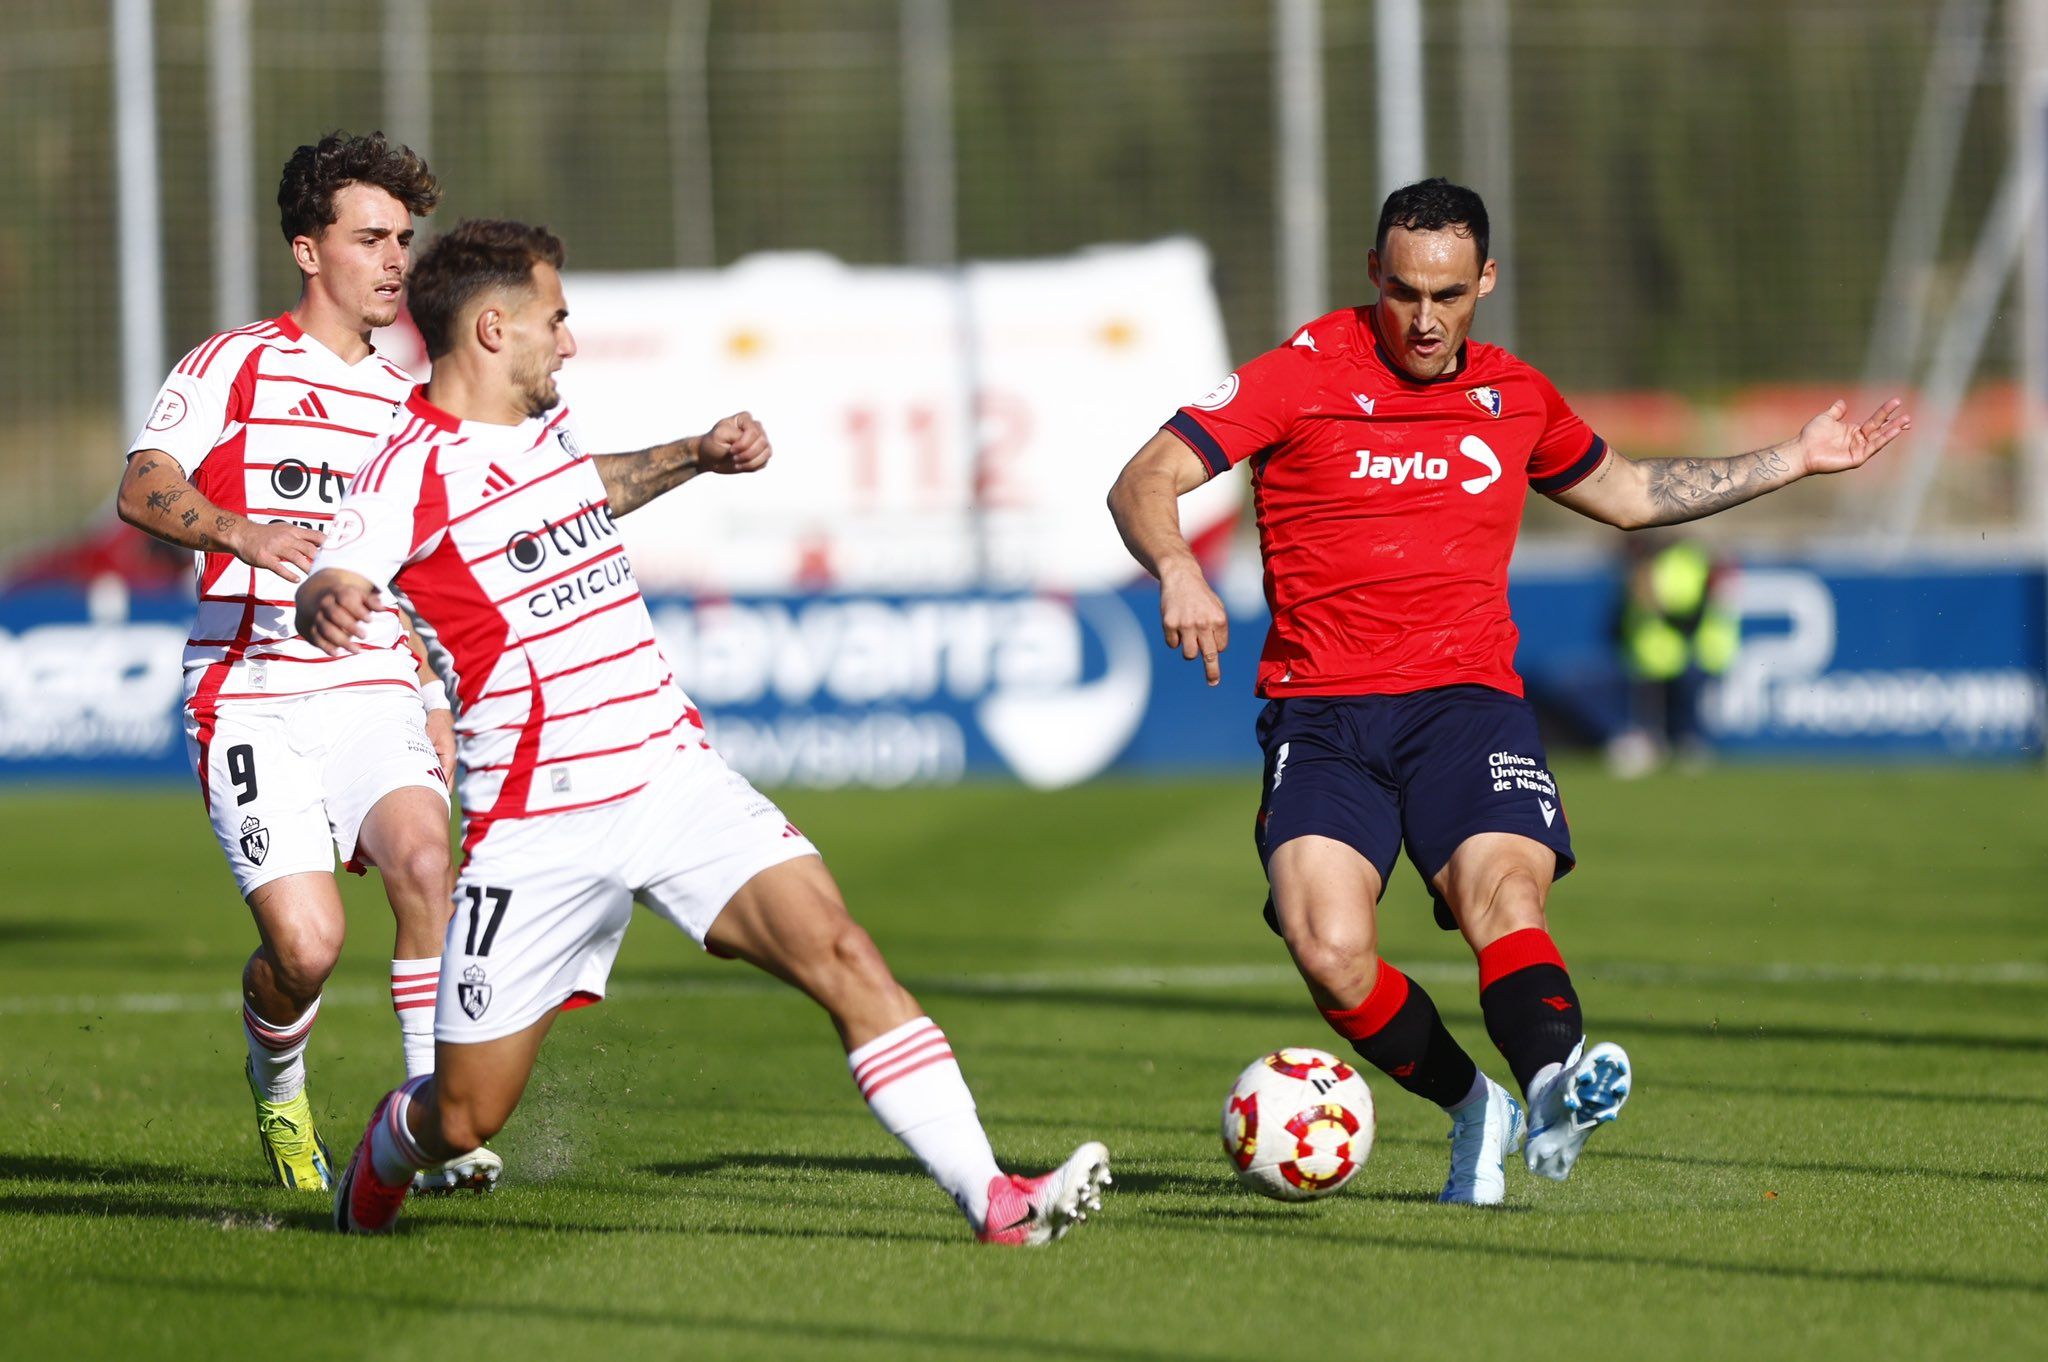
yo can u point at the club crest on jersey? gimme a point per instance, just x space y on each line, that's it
473 993
1486 399
568 442
255 840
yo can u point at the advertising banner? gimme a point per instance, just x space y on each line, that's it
884 690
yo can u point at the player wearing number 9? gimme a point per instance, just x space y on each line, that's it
241 460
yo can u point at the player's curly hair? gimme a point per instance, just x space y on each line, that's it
1431 206
316 173
479 254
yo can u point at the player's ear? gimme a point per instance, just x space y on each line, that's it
490 329
305 255
1488 275
1372 265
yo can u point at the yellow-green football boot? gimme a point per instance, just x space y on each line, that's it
284 1131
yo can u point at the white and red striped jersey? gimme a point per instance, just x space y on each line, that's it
502 539
268 422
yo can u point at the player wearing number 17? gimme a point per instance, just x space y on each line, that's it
1389 461
586 779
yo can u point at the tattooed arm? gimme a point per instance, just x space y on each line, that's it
158 499
1634 494
736 444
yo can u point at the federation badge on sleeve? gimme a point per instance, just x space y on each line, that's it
473 993
1218 396
1486 399
255 840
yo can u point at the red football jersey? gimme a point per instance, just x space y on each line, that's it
1387 506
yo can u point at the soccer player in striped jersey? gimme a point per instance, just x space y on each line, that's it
247 451
586 778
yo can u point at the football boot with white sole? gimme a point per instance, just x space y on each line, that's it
1570 1101
1041 1209
1483 1133
476 1171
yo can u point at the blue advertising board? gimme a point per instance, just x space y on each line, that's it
875 690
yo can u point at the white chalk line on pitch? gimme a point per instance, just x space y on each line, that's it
1125 978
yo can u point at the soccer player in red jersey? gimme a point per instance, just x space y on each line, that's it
587 781
1389 461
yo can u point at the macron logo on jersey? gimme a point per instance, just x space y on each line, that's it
311 407
1397 469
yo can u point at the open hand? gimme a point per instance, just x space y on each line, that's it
737 444
1829 444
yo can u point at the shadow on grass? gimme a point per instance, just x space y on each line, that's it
1553 1252
825 1163
1869 1170
1947 1099
1222 1003
131 1205
33 933
16 1167
794 1333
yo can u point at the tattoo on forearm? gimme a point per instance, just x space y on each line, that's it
147 466
189 519
163 501
633 480
1687 489
222 523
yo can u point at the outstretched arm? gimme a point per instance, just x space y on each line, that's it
1634 494
1144 505
736 444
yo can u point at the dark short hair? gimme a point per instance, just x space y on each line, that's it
1432 206
315 174
480 254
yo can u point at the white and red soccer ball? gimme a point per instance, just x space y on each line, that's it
1298 1124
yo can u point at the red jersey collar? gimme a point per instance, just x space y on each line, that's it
418 405
1393 366
290 328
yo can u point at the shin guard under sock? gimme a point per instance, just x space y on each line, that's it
1531 1009
1398 1031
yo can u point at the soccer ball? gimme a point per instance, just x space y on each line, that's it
1298 1124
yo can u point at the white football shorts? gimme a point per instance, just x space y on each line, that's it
543 903
288 782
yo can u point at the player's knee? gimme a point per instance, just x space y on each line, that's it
420 876
854 960
301 960
1337 958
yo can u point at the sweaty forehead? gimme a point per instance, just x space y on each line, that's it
1430 259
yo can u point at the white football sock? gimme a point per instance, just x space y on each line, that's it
914 1086
414 985
277 1053
394 1154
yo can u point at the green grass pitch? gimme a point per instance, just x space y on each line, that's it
1834 985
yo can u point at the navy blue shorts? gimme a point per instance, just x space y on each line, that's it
1424 770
